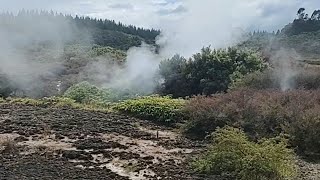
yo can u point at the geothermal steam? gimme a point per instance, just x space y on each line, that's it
204 23
24 61
137 75
285 62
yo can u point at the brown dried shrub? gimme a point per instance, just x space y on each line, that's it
260 113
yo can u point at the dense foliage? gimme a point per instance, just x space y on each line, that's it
207 72
158 109
303 23
234 155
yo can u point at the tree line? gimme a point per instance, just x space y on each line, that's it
104 32
303 23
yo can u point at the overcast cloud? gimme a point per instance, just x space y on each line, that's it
266 14
187 25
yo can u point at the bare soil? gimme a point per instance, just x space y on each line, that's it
66 143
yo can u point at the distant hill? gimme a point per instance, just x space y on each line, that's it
63 50
302 35
303 24
102 32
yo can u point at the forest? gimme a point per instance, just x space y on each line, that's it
104 32
249 112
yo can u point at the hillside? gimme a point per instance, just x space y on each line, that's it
83 29
71 65
302 35
62 49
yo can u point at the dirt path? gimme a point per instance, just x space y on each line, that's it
64 143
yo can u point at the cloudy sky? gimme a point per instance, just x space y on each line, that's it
186 25
259 14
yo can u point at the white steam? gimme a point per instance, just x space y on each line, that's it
140 69
25 60
136 75
286 66
207 23
221 23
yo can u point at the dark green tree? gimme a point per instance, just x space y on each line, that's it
301 13
207 72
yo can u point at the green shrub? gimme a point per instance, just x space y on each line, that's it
234 155
257 80
86 93
89 94
108 52
158 109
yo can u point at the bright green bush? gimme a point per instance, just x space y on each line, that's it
234 155
108 52
89 94
158 109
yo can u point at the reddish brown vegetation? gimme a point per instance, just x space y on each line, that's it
260 113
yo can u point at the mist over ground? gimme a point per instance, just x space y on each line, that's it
30 50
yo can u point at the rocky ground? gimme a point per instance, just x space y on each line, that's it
66 143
